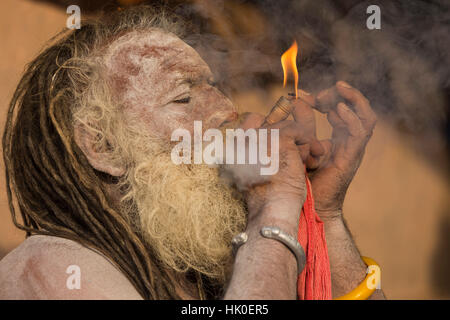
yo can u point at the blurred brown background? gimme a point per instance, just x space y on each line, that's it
398 205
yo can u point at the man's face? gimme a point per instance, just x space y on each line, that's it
186 213
164 84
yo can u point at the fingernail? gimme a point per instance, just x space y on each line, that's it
344 106
320 95
344 84
303 92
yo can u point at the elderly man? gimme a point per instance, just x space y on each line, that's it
87 148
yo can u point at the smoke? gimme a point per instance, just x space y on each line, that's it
402 68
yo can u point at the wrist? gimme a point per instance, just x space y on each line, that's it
330 215
284 215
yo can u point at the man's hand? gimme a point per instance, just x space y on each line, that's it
284 187
353 121
264 268
331 172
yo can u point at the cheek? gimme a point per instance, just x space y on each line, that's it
171 118
208 106
161 122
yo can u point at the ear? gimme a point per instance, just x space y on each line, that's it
98 159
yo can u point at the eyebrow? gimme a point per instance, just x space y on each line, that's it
190 78
193 78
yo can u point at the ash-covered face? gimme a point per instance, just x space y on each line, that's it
185 212
164 84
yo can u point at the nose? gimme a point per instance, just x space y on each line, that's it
226 111
231 110
233 116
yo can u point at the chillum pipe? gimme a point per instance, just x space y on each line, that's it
280 111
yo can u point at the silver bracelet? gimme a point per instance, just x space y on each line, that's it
238 240
275 233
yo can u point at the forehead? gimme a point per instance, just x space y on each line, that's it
154 52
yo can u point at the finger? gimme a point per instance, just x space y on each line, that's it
252 120
303 95
352 147
312 163
295 132
316 148
303 114
278 125
351 120
312 149
340 132
327 99
304 151
335 120
360 103
316 162
327 146
306 97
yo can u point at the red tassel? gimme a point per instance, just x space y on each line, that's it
314 283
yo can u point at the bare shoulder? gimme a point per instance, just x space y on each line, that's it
45 267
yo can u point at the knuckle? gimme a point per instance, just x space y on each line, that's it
290 127
368 133
371 121
359 130
256 117
361 133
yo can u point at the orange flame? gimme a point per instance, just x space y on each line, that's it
289 64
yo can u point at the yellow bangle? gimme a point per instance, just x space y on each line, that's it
365 289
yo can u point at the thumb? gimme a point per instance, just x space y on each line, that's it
252 120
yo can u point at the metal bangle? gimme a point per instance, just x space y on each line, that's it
238 240
275 233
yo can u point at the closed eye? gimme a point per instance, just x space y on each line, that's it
184 100
212 83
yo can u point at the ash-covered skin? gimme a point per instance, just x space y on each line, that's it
164 84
